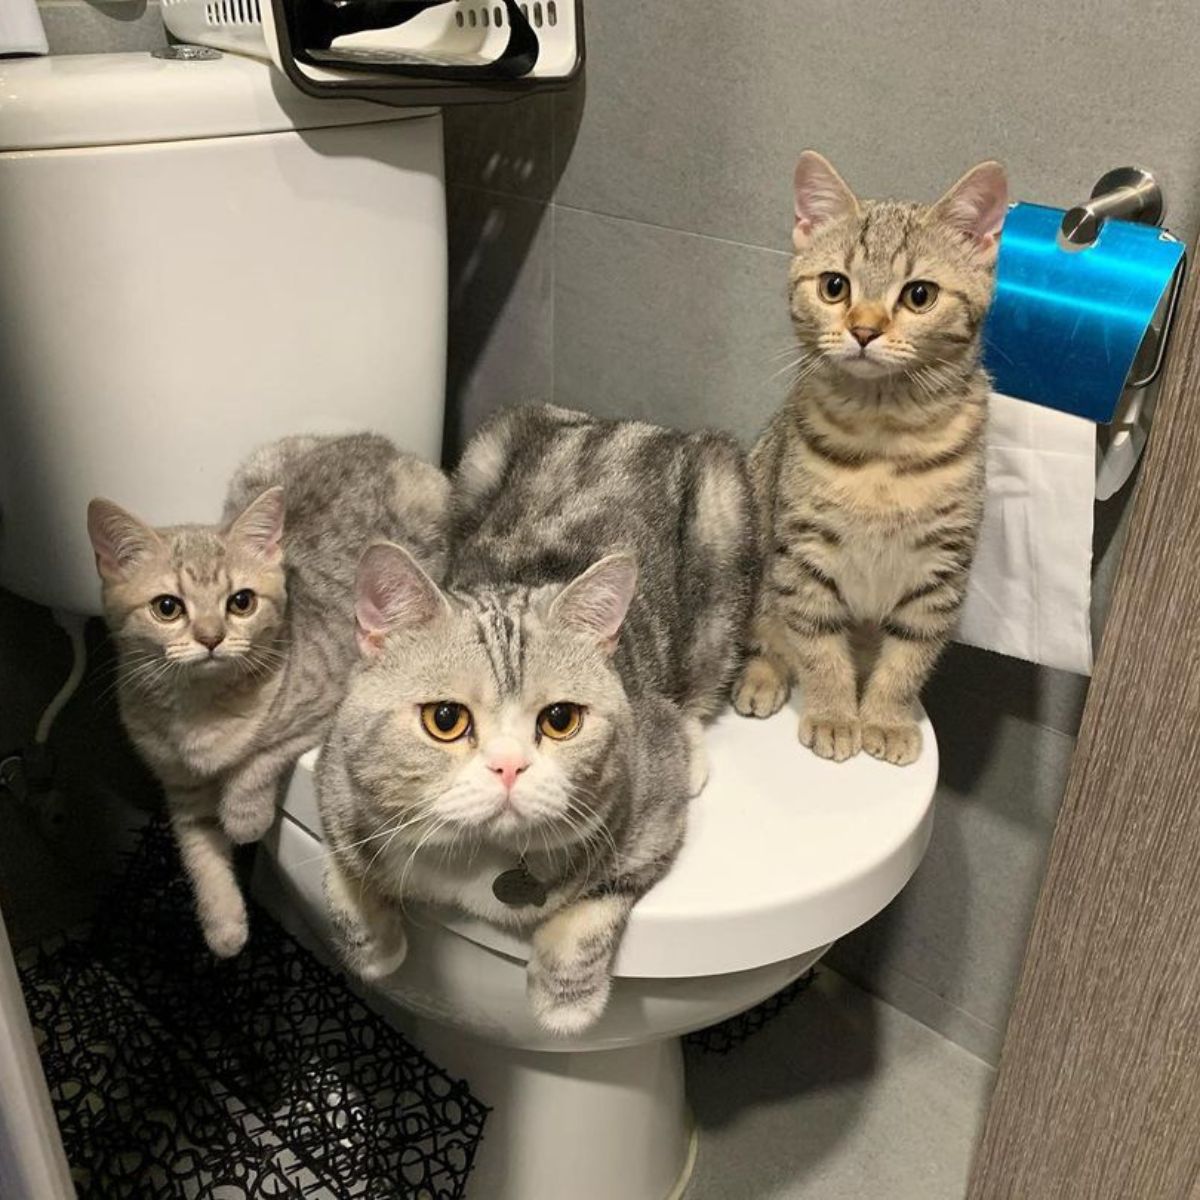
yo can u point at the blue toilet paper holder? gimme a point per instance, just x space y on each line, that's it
1086 300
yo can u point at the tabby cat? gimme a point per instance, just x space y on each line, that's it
234 641
521 744
870 479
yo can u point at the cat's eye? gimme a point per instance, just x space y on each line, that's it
445 720
920 295
833 288
167 608
242 602
560 721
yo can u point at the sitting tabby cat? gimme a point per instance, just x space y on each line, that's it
870 480
234 642
522 744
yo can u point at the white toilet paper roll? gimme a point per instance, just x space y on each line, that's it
1030 590
21 29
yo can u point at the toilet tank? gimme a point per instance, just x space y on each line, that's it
195 258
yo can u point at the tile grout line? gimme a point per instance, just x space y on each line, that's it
499 193
554 100
553 303
708 237
912 981
592 212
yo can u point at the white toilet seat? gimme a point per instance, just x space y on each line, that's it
784 852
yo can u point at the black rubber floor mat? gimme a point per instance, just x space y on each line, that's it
175 1075
728 1035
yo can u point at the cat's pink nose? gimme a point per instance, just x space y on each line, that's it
210 640
508 767
864 334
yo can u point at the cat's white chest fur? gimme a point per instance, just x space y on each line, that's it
211 745
875 569
461 880
195 735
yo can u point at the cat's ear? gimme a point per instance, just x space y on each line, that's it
259 529
596 601
977 205
392 592
821 195
120 539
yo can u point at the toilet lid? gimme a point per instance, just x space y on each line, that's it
785 852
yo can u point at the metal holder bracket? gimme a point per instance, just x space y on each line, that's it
1128 194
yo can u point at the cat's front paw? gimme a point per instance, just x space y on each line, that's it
897 742
372 953
369 932
379 957
562 1004
697 776
568 979
246 816
225 936
761 691
831 734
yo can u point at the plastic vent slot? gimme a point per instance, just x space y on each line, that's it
473 17
232 12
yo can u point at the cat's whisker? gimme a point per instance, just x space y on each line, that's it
791 348
420 816
439 823
589 866
549 851
126 673
791 366
808 370
329 852
144 676
589 814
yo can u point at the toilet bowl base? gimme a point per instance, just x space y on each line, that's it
594 1125
589 1124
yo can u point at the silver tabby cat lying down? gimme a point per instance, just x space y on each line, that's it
234 641
522 744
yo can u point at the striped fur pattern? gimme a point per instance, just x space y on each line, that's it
221 702
870 479
609 565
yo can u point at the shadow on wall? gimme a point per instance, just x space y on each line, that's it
949 949
794 1090
503 163
108 26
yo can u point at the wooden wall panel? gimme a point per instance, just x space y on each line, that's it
1098 1094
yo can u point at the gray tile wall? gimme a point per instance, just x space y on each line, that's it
663 185
99 26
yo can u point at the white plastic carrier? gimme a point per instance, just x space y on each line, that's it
398 52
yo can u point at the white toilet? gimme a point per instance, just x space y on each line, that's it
196 258
784 854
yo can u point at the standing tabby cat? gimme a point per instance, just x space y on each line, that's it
522 744
234 642
870 479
